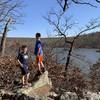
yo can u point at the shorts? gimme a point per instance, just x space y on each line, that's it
24 70
39 59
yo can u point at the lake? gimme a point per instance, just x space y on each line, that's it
82 58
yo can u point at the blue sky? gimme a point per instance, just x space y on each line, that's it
36 9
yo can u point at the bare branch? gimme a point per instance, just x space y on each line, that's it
6 14
98 1
83 3
92 25
4 2
58 27
64 4
9 10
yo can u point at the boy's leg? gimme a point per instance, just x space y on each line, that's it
23 80
42 64
38 64
27 78
41 61
39 67
23 75
43 68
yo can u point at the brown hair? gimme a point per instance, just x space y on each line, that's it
38 34
24 46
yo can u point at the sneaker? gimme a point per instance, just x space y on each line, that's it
25 86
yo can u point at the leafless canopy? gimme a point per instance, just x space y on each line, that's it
9 14
61 25
10 9
64 4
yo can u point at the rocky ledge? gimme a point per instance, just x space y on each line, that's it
41 90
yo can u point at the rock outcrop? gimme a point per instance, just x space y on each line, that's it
7 95
39 90
42 86
86 96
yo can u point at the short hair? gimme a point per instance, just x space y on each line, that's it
24 46
38 34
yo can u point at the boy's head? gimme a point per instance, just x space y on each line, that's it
38 35
24 48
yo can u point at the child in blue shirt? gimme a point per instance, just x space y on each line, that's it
39 53
23 61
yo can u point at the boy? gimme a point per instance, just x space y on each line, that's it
23 61
39 53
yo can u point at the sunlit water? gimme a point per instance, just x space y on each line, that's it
82 58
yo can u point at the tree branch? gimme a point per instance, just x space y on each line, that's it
98 1
83 3
65 5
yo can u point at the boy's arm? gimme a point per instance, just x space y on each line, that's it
20 63
38 51
39 47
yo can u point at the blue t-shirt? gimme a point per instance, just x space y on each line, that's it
38 46
23 58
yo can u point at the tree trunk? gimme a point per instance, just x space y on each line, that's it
69 54
3 39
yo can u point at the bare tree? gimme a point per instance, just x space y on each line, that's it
62 26
9 10
3 39
62 30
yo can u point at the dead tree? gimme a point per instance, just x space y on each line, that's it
62 26
3 39
9 9
62 30
88 28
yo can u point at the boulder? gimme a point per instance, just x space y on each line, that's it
92 96
69 96
40 88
